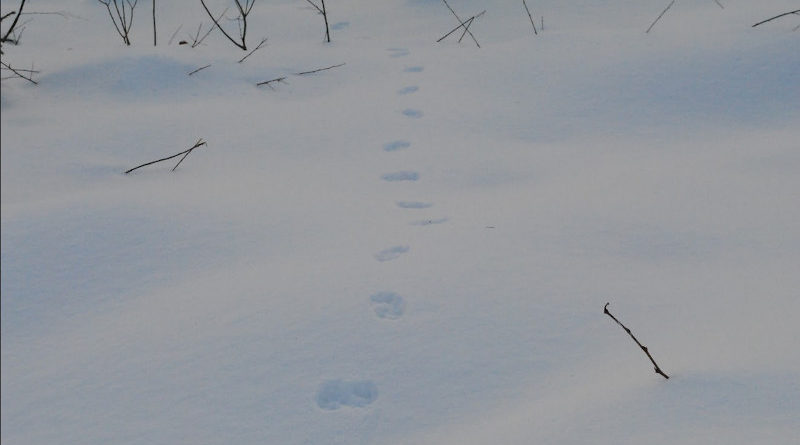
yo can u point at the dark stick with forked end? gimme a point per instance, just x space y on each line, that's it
185 153
644 348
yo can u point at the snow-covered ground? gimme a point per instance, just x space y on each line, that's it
414 247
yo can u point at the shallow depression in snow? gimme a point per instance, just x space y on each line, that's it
334 394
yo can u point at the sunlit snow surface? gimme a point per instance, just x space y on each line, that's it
414 247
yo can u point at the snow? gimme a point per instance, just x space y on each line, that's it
413 247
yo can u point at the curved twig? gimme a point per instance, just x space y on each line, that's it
796 11
185 153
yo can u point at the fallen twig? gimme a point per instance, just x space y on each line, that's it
263 41
463 22
318 70
644 348
185 153
466 24
199 69
659 16
796 11
271 81
19 72
466 28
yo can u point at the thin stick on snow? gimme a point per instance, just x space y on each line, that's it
199 143
777 17
174 34
530 17
197 40
644 348
199 69
659 16
466 28
465 24
270 82
318 70
263 41
462 22
19 72
719 4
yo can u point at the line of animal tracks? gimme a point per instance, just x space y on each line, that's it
385 303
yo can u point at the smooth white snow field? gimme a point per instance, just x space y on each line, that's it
414 247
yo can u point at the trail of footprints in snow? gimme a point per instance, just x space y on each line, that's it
387 305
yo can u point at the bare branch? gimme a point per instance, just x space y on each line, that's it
323 11
19 72
199 143
318 70
315 6
10 30
530 17
325 17
243 16
123 21
643 347
777 17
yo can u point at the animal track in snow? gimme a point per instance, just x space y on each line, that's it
413 205
396 145
340 25
388 305
398 52
391 253
334 394
408 90
401 176
413 69
410 112
427 222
